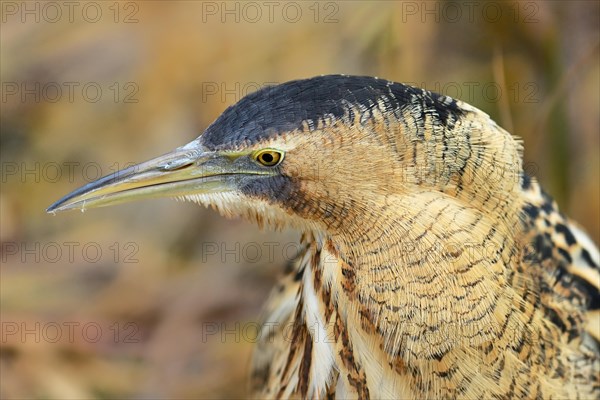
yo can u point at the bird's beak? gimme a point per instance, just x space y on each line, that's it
187 170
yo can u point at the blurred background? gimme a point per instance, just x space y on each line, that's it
160 299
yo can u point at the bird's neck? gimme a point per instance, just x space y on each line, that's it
407 259
451 188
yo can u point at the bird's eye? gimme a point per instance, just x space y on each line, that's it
268 157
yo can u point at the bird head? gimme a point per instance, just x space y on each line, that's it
316 153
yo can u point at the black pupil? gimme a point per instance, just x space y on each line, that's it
268 158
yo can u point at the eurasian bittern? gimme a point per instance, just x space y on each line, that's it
432 266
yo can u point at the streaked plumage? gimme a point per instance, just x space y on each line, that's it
432 266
